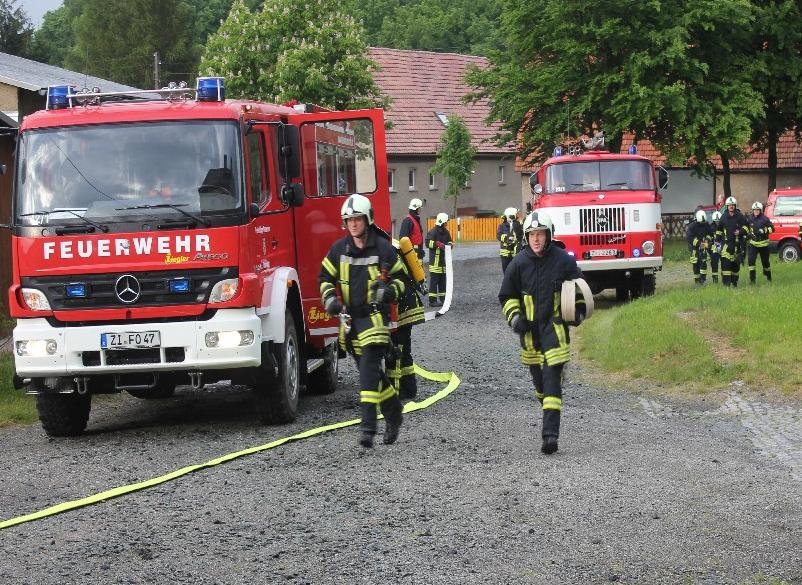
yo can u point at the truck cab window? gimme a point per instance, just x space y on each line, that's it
258 178
345 157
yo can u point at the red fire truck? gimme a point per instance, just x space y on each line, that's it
177 240
606 210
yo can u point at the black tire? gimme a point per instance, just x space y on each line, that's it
789 252
649 284
635 287
277 396
164 388
62 415
324 379
622 294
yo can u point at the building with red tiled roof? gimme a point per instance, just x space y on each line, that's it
426 87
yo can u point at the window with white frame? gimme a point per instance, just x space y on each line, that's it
501 174
413 179
432 184
391 179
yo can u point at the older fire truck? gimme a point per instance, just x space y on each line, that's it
177 241
606 210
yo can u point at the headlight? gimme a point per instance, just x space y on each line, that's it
648 247
35 299
225 339
36 347
225 290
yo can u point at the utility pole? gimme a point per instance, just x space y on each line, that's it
156 64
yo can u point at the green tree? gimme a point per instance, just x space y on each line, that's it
323 60
456 158
648 67
116 39
15 28
53 40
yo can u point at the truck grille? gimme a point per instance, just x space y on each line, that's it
603 239
155 288
601 219
124 357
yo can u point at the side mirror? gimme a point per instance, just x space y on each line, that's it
528 207
253 210
662 178
3 169
292 194
289 152
533 184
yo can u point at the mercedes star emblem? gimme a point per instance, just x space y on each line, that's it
127 289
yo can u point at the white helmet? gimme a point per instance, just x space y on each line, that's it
537 220
510 213
355 206
757 205
441 219
731 201
700 216
415 204
716 216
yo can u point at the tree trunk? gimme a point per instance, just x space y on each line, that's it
772 138
725 175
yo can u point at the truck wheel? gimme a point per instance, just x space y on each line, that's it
324 379
636 288
622 294
649 284
789 252
61 415
164 388
277 396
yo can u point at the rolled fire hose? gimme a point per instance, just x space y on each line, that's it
568 299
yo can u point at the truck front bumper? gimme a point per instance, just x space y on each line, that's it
183 347
652 262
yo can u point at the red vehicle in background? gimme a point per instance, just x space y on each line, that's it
606 210
784 209
178 240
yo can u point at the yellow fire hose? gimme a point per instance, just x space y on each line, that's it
452 383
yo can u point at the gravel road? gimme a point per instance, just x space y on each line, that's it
644 488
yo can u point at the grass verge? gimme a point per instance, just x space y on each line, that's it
15 406
701 339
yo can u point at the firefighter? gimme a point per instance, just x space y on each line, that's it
698 244
400 364
508 237
530 297
411 227
716 236
436 240
733 225
369 272
760 227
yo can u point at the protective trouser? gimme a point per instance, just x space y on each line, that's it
400 365
699 263
730 267
437 287
752 254
376 391
548 390
714 260
505 261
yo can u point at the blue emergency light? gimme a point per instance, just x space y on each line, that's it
211 89
558 151
57 96
633 149
75 290
179 285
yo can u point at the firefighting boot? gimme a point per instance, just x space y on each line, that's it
715 279
368 426
768 274
549 445
391 408
366 439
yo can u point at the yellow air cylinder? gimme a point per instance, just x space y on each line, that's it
411 259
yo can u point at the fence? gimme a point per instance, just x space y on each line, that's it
483 229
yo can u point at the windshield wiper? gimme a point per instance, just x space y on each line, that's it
177 207
66 230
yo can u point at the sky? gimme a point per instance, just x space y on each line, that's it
35 9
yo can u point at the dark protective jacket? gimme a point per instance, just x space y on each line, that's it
411 228
437 255
759 229
730 241
353 269
699 234
532 288
508 239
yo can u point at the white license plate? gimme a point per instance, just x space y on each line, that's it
595 253
130 340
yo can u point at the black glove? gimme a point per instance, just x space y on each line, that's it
382 292
333 306
520 325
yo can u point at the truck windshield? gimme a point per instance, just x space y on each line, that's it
607 175
116 173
